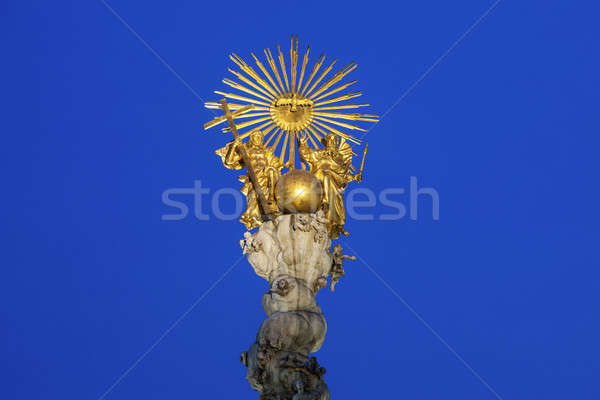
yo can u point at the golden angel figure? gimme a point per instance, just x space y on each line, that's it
331 165
267 168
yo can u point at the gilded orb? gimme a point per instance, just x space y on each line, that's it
298 191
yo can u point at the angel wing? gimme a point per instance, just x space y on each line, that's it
346 151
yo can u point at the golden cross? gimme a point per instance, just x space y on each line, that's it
224 118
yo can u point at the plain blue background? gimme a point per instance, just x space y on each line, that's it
505 128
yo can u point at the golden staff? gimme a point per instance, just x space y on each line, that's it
262 200
362 164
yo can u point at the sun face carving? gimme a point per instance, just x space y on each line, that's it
290 100
291 113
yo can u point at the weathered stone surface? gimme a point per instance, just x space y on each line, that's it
292 254
294 244
295 320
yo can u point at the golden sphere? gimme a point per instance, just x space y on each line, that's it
298 191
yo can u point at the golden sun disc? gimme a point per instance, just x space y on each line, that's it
291 113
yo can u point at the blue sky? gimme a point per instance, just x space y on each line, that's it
504 127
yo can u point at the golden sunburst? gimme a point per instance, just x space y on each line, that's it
285 108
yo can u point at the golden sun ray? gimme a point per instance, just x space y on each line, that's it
272 136
351 116
293 62
279 135
247 123
264 71
291 102
250 113
241 98
304 62
249 82
292 154
336 78
315 134
320 78
342 107
339 98
342 124
313 72
332 91
237 86
271 61
269 129
249 70
263 126
283 69
285 141
337 132
310 137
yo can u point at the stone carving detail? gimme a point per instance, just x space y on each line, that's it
292 254
337 270
294 244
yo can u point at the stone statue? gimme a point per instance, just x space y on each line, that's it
337 270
